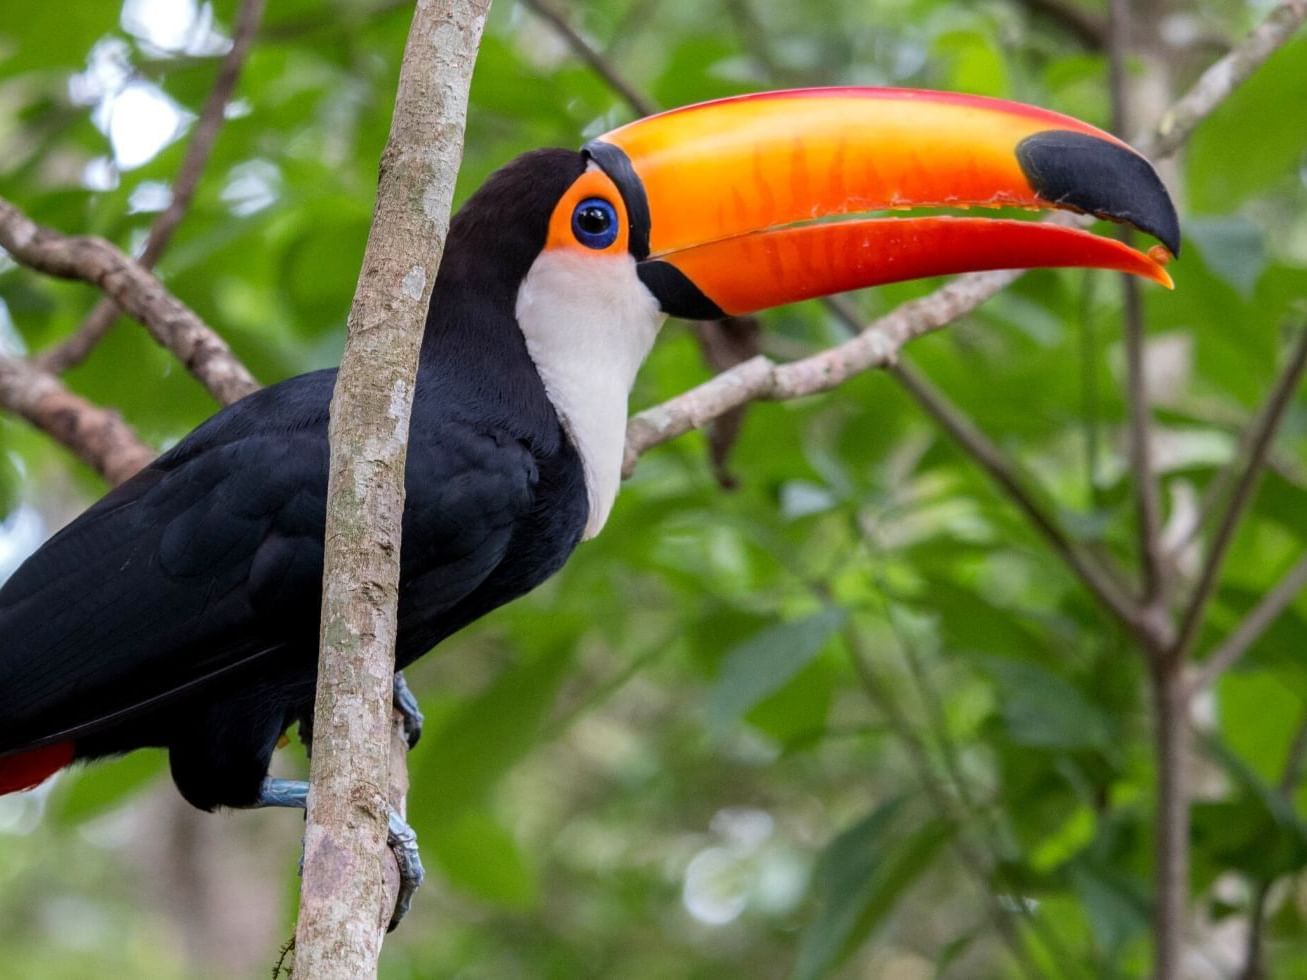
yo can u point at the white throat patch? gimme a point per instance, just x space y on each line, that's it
589 323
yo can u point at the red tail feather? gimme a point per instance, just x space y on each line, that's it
28 769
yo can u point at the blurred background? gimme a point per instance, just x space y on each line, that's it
817 704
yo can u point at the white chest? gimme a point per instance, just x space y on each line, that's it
589 324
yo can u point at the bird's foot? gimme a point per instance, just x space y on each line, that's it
400 838
407 705
403 841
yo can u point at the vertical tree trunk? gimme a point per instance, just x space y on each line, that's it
342 917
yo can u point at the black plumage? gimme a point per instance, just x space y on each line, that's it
182 609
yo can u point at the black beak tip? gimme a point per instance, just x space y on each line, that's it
1102 178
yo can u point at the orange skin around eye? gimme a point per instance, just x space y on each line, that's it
592 183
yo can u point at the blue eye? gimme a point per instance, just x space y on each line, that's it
594 223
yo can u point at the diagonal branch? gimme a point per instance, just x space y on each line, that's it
1264 429
136 290
99 437
878 345
75 348
1103 579
762 379
1148 509
1256 623
1223 77
1290 776
588 53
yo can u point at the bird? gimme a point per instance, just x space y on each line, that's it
181 610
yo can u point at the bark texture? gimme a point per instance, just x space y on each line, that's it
98 436
343 903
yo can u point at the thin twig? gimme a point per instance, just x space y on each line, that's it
1223 77
1148 509
588 53
1264 428
1253 968
75 348
1216 492
97 436
1166 680
762 379
136 290
1256 623
879 343
1171 846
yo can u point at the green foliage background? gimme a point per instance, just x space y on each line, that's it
669 761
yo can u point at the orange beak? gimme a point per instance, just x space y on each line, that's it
738 194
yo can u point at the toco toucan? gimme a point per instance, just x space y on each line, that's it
182 609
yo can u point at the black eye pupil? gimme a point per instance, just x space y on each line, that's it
594 223
593 220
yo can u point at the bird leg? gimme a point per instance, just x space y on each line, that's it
400 837
407 705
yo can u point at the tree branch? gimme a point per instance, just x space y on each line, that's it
878 345
343 906
1290 776
133 288
1148 508
97 436
1257 622
1101 578
588 53
1264 429
75 348
762 379
1223 77
1171 846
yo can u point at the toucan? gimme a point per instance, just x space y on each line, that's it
181 610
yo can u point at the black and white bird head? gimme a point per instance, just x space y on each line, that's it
747 203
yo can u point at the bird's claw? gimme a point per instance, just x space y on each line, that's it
407 705
403 843
400 837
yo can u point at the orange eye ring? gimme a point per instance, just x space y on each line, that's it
578 221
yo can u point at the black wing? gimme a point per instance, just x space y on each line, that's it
212 556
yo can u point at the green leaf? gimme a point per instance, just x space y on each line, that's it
861 875
27 38
482 858
764 663
1257 832
1116 909
1064 843
1041 709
